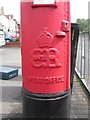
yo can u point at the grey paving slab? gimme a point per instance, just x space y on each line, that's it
79 101
10 57
12 98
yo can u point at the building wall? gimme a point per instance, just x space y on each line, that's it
12 29
4 22
8 23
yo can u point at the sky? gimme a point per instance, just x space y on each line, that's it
79 8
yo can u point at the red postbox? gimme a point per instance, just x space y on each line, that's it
45 46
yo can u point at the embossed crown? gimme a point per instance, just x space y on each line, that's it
45 39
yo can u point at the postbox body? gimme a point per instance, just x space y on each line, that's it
45 32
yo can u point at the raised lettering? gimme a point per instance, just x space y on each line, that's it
45 58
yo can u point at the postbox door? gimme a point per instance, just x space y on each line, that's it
45 46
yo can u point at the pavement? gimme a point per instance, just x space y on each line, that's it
11 90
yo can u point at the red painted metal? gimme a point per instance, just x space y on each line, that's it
45 47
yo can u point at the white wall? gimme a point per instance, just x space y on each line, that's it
12 27
8 24
4 21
